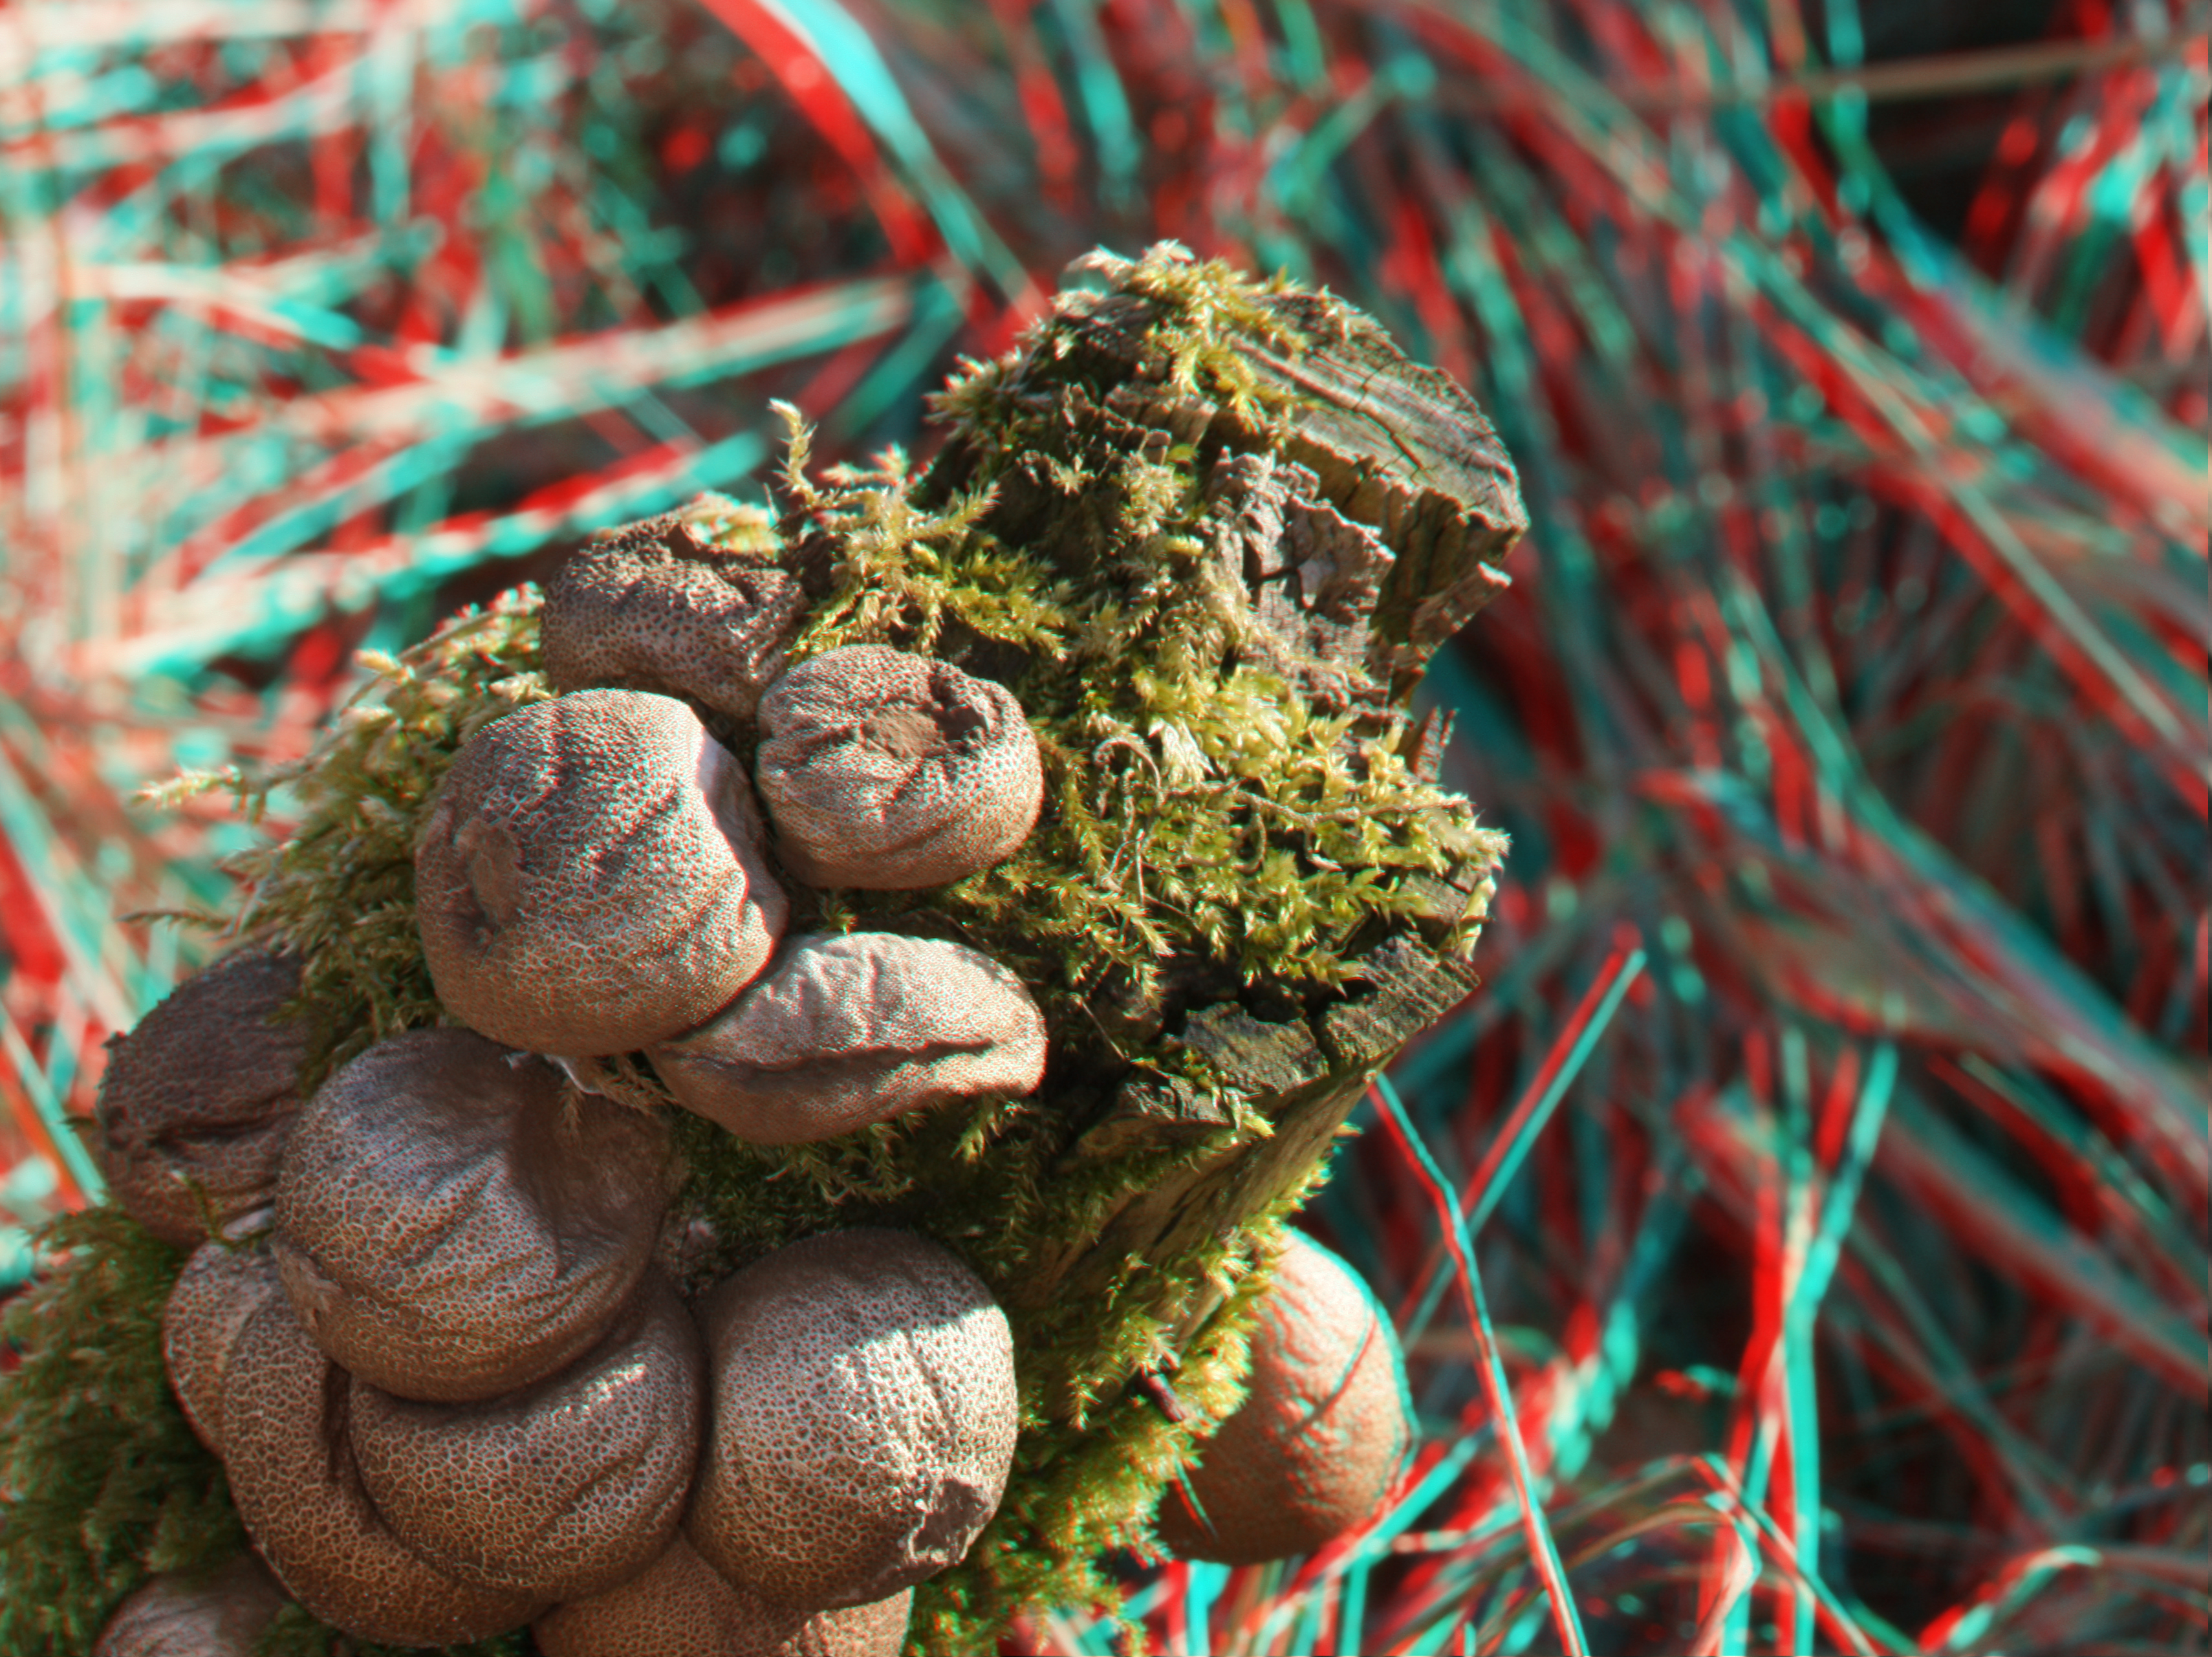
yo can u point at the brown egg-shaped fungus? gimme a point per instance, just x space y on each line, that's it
221 1614
893 771
682 1607
219 1288
659 607
453 1222
561 1489
1325 1426
846 1030
297 1486
861 1416
196 1099
591 880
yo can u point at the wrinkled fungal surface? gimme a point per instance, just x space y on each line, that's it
878 1628
846 1029
452 1222
891 772
1323 1431
195 1102
293 1476
591 879
681 1607
219 1616
861 1418
218 1289
658 606
559 1489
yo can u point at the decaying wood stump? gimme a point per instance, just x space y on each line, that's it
1362 507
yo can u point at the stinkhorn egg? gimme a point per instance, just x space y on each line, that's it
452 1222
561 1489
680 1606
293 1476
1324 1426
892 772
861 1418
591 880
197 1100
658 607
219 1288
843 1030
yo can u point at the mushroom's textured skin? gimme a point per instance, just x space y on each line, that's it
591 879
453 1223
296 1487
861 1417
218 1616
680 1607
559 1489
194 1108
218 1289
892 772
659 607
843 1030
1323 1429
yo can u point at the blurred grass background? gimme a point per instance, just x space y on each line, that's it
1833 1122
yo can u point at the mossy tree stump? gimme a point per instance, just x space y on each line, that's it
1207 532
1363 505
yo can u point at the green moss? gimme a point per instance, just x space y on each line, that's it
104 1482
905 571
339 887
1208 834
1199 313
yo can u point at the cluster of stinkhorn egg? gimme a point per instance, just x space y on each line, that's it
422 1327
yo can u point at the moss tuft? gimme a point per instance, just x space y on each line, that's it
101 1481
902 572
339 887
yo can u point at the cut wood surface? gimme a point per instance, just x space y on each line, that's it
1395 446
